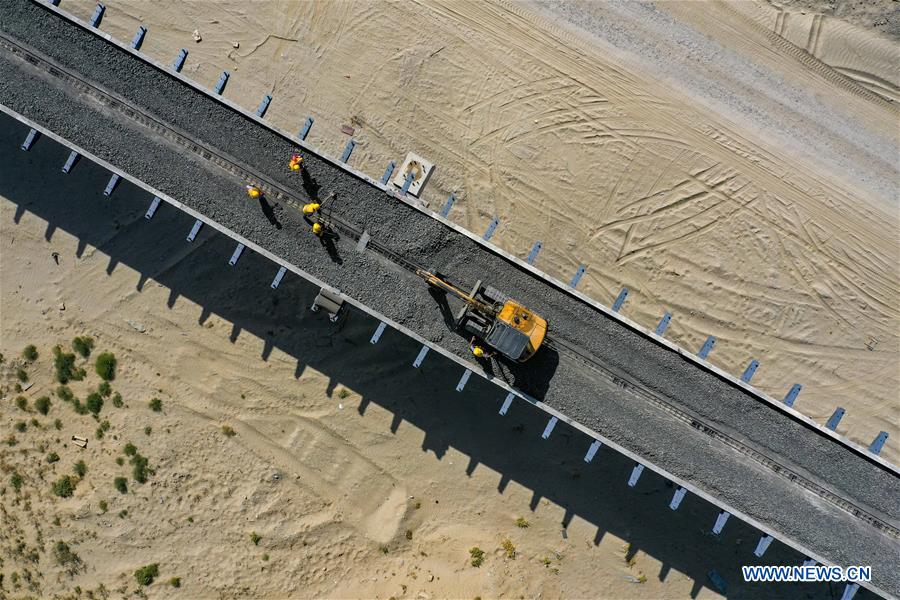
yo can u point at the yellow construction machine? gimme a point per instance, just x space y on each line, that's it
501 323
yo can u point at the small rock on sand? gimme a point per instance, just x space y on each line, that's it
137 326
197 36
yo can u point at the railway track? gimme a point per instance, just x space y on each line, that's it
275 191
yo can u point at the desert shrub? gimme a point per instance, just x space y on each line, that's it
104 425
21 426
104 389
52 457
228 431
139 468
106 366
129 449
16 481
477 555
42 405
521 522
146 574
103 506
343 393
255 538
22 402
83 345
99 433
80 408
117 400
80 468
18 388
409 534
65 557
35 423
22 374
123 514
175 582
94 403
30 352
64 393
10 440
148 430
156 405
58 424
64 487
120 461
510 549
64 363
121 485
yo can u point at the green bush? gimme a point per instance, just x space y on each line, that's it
58 424
255 538
139 468
104 425
22 402
64 393
106 366
80 408
130 449
80 468
120 461
103 506
65 557
21 426
52 457
477 555
94 403
83 345
104 389
22 374
64 363
30 353
99 433
64 487
146 574
156 405
16 481
117 400
228 431
121 484
148 430
42 405
175 582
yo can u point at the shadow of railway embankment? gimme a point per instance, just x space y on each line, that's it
469 422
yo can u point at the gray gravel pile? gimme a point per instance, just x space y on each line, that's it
591 397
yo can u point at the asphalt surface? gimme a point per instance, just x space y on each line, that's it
612 401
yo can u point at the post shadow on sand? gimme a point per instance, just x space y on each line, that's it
511 446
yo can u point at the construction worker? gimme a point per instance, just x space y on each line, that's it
311 208
478 350
296 162
254 192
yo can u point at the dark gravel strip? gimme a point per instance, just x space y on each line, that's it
612 411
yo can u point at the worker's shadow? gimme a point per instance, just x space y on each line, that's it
329 241
269 212
309 185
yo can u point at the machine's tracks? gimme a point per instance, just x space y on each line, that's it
276 191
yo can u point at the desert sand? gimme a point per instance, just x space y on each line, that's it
757 204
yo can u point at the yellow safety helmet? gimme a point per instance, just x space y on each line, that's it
310 208
295 166
254 192
478 351
317 228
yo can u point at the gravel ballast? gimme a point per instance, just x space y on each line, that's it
593 398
